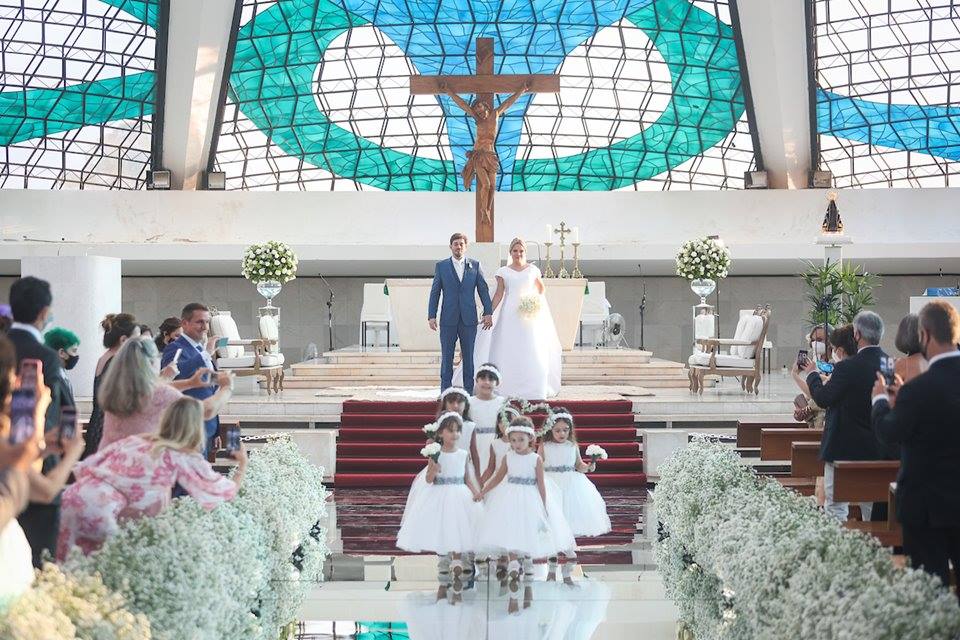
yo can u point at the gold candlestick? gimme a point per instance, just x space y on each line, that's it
576 261
548 272
563 230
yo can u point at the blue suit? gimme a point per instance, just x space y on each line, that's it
190 360
458 316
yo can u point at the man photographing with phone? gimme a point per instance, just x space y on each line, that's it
921 417
192 347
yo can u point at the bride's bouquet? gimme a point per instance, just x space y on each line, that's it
529 306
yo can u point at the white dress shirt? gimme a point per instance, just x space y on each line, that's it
458 266
29 328
207 361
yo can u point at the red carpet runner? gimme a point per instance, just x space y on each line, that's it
379 442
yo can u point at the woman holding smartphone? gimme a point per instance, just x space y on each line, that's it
135 395
135 476
21 453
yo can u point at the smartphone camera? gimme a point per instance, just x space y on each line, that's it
22 408
68 423
233 438
802 358
887 369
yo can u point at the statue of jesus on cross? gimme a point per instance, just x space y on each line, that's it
483 163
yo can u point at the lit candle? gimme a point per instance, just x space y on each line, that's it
576 235
549 233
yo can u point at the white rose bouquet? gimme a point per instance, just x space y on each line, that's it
269 262
432 450
595 451
430 429
529 306
703 258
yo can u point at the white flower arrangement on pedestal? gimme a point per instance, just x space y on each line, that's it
269 262
249 561
745 558
529 306
703 258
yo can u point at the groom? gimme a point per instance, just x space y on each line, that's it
457 278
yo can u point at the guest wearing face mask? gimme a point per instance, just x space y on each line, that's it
67 345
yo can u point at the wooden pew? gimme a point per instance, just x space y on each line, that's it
869 481
863 480
776 444
805 460
748 432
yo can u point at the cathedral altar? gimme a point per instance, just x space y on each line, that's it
409 298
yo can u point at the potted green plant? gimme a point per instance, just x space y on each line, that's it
837 291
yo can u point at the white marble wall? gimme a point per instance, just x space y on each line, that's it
85 288
668 317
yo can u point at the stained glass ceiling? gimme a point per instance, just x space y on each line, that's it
651 95
888 91
77 99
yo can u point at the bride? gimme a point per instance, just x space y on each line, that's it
523 342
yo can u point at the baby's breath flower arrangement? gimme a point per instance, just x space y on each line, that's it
269 262
250 562
64 606
743 557
703 258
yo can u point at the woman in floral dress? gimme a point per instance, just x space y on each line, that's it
134 477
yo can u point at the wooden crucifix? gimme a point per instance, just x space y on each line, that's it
483 163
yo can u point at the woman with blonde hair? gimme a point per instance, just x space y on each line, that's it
523 344
134 477
134 394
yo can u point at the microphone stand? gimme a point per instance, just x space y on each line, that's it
643 306
329 310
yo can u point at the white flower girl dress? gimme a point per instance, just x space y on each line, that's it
583 506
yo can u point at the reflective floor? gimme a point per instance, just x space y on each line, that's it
373 591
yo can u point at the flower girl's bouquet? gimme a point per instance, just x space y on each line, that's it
430 430
596 452
432 450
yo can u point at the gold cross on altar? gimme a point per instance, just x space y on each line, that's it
482 162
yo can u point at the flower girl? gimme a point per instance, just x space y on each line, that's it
485 409
444 514
518 518
583 507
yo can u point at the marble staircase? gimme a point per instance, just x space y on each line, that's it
353 367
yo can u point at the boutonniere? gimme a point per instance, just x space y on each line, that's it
468 264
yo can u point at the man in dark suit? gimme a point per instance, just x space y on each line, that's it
30 302
192 344
845 396
923 416
460 280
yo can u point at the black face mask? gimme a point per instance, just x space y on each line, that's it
71 362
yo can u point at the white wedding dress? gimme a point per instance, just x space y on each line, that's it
525 349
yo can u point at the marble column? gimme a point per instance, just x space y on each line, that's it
85 289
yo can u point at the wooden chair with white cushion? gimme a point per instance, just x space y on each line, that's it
596 308
767 363
260 357
742 359
376 312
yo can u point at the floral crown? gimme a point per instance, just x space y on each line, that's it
522 428
449 391
563 415
449 414
489 368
